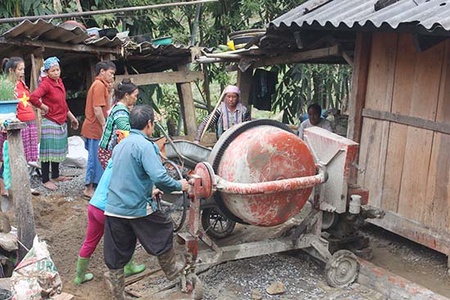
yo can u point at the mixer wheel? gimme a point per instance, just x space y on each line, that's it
216 224
175 205
342 269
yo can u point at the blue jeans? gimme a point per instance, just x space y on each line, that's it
94 170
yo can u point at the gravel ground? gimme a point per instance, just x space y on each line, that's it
62 220
71 189
268 270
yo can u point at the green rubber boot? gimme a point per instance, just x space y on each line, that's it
131 268
82 276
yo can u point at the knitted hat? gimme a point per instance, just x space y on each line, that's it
232 89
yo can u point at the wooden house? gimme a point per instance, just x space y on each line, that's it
399 107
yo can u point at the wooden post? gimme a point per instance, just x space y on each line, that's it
19 193
187 104
244 82
207 89
357 97
37 62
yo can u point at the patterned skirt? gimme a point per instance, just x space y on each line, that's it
103 156
54 142
30 141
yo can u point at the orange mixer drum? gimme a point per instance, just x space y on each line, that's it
261 151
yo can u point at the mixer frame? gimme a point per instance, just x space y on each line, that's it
341 268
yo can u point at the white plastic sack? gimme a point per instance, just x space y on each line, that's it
78 155
36 276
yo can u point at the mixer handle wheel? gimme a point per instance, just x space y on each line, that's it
177 207
342 269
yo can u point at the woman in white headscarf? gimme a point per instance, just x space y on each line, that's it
230 112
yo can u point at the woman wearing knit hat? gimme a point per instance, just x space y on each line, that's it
226 114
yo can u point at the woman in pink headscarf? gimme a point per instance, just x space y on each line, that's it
230 112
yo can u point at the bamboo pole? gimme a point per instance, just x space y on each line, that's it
212 114
101 12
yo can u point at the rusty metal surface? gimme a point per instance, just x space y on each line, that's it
416 15
270 187
263 154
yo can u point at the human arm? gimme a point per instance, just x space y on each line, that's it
301 128
36 96
73 120
99 96
98 112
152 165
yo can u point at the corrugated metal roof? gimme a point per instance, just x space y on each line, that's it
145 56
44 30
431 15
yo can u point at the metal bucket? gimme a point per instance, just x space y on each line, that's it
191 153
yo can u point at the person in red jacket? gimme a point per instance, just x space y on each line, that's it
14 67
50 97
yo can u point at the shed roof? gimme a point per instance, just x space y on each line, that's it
72 42
422 16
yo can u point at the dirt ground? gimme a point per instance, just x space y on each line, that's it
61 222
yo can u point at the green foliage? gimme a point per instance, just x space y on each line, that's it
298 86
302 84
6 88
19 8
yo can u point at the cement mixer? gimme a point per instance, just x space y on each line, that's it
262 174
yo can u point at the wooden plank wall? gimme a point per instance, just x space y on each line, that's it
406 168
438 184
374 133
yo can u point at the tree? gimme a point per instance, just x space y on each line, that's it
208 25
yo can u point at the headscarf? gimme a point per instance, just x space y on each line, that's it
50 62
232 89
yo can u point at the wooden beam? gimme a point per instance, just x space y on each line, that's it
407 120
357 99
438 240
20 189
60 46
283 58
347 58
187 103
163 77
244 82
295 57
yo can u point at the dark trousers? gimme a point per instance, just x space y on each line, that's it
45 169
155 233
